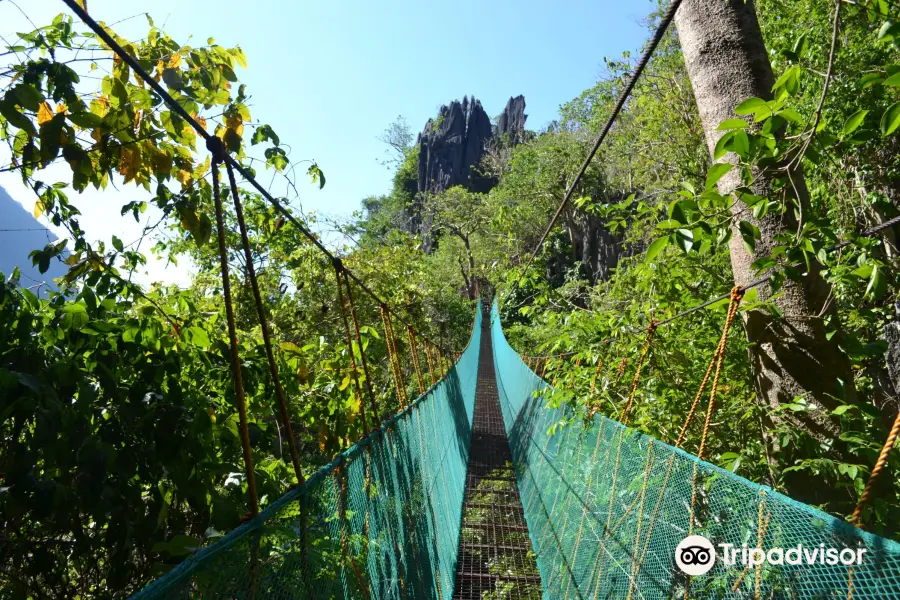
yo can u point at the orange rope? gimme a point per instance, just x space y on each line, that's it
856 519
651 329
596 376
398 359
353 372
736 295
622 366
264 326
414 350
362 355
392 356
430 361
217 149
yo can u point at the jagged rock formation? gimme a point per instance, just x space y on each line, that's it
511 123
451 146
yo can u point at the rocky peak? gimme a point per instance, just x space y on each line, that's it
511 122
451 146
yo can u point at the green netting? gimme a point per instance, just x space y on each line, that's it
606 507
398 541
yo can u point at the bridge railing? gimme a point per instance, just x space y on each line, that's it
382 520
608 506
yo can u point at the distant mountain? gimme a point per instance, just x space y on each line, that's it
20 233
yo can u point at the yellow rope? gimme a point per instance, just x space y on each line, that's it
217 148
430 361
354 375
856 519
362 355
596 376
392 357
264 327
390 321
651 329
414 350
736 295
635 565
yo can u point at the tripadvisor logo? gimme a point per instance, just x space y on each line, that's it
695 555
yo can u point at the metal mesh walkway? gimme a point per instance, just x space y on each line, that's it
495 551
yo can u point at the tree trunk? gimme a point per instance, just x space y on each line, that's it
727 63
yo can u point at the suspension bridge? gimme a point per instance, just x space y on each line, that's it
471 491
465 494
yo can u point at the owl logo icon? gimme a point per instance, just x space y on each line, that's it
695 555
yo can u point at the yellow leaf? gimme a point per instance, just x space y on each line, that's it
45 113
162 163
60 108
159 69
212 414
236 124
129 163
175 61
38 208
183 176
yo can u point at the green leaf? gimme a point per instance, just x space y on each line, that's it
864 272
842 409
316 174
730 124
890 120
85 120
877 284
752 106
203 230
749 233
16 118
888 31
685 239
715 173
854 121
800 45
656 247
74 316
870 79
789 80
117 244
197 336
892 80
28 96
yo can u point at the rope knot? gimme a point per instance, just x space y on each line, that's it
216 147
737 292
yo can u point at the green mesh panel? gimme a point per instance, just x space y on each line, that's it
399 542
573 494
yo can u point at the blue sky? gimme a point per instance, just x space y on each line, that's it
329 77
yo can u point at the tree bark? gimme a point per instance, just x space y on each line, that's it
792 356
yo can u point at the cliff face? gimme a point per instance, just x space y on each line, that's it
451 146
